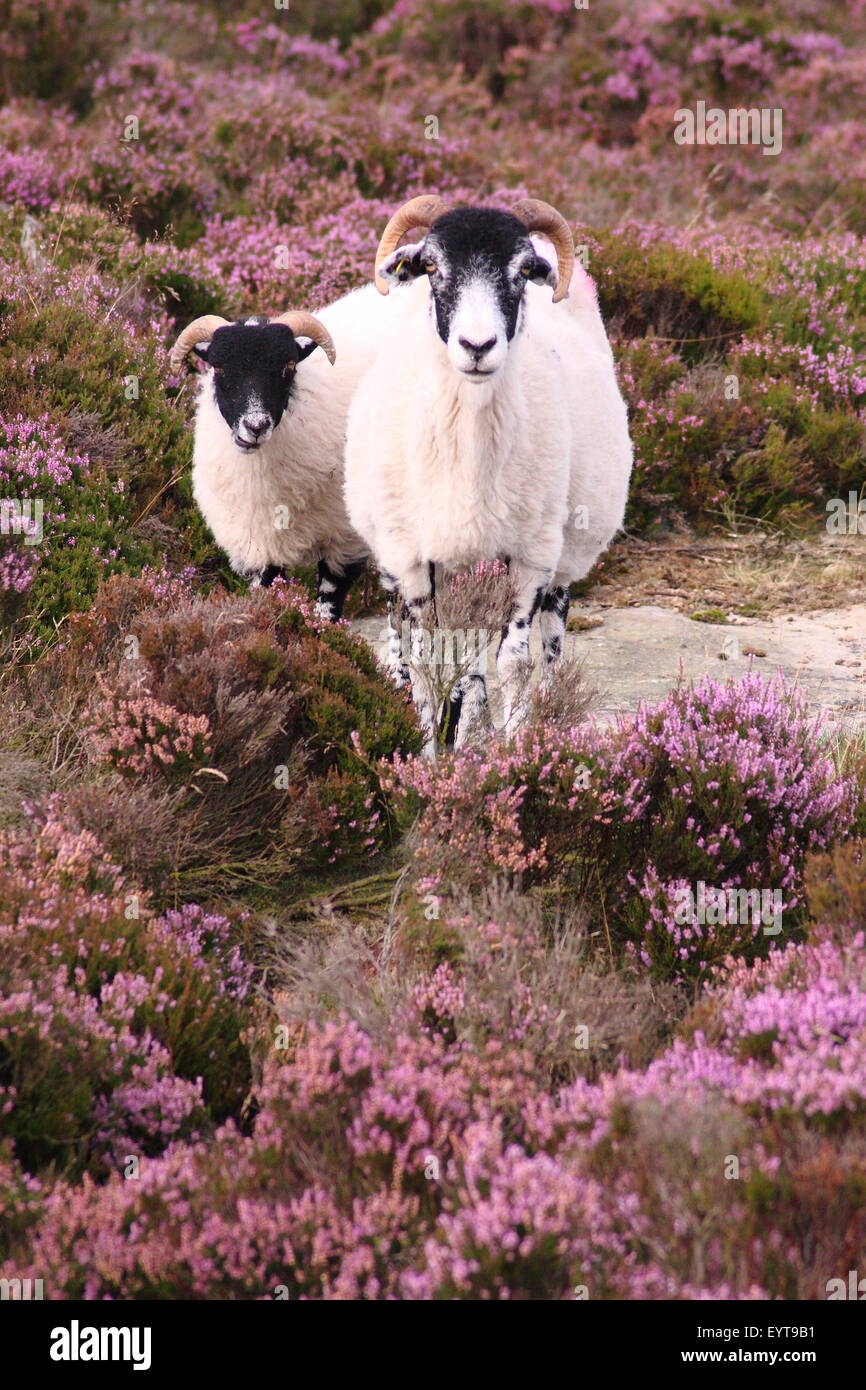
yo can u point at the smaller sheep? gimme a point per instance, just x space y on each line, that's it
267 466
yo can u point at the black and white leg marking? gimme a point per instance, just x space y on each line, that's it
474 712
335 581
395 657
513 661
449 720
554 616
265 578
418 589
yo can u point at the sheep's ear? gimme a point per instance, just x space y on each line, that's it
305 347
406 263
543 273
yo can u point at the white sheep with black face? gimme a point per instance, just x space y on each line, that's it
270 425
490 425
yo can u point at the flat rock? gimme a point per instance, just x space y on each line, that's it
638 653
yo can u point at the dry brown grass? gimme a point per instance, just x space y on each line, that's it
527 973
756 574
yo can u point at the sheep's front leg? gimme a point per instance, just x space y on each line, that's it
416 586
553 619
395 657
263 579
513 661
473 712
335 581
473 724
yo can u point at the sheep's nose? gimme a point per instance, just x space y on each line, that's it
477 349
255 426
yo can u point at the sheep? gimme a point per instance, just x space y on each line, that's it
489 426
268 439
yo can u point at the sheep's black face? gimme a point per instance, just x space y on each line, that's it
253 363
479 261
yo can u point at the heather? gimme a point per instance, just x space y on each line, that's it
219 741
121 1029
721 783
39 564
487 1091
311 123
286 1010
393 1160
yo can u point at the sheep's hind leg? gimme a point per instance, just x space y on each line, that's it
335 581
552 620
513 660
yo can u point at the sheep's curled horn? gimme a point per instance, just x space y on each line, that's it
417 213
535 215
201 330
541 217
305 325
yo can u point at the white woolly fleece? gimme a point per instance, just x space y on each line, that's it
451 471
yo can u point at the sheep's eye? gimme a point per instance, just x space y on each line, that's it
289 367
429 267
218 371
526 270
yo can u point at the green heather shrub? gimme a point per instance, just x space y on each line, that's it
343 20
187 292
68 350
767 429
46 48
71 526
88 429
659 290
73 233
20 1199
229 741
836 885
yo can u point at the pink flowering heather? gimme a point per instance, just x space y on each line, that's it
83 1078
35 473
138 735
722 783
59 515
519 1222
574 1034
17 568
119 1030
789 1035
398 1163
